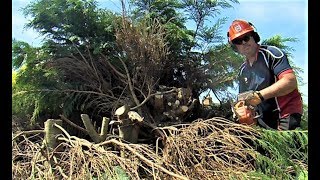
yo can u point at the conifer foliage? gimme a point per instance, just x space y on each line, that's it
93 61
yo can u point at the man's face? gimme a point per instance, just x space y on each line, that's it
245 44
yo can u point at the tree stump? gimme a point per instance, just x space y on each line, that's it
128 128
51 132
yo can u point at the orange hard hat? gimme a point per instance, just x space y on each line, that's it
238 28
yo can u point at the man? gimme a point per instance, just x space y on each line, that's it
268 73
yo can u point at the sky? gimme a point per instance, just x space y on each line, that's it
288 18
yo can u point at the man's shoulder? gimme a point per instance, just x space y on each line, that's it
272 50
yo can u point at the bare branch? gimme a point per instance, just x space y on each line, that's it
151 95
112 67
130 83
28 132
73 124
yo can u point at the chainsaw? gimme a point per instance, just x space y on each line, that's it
251 113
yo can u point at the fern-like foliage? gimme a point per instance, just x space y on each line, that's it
282 154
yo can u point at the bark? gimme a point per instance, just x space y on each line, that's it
90 128
128 128
51 132
104 128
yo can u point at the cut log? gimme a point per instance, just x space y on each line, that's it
129 132
122 111
184 94
104 128
134 116
181 110
128 129
158 102
207 101
51 132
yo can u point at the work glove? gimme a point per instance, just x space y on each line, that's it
255 99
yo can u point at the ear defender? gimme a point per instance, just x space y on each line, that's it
255 35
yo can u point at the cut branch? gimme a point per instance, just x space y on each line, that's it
28 132
91 131
104 128
73 124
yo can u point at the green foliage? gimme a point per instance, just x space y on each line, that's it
279 41
284 153
121 173
30 75
32 97
70 27
20 51
303 175
304 118
209 37
180 39
191 50
72 23
49 17
117 173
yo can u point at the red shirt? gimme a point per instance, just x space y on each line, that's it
290 103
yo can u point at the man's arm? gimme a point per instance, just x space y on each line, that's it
287 83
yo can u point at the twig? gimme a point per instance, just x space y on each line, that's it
65 132
73 124
112 67
59 168
28 132
131 88
154 94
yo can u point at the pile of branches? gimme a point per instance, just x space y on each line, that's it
204 149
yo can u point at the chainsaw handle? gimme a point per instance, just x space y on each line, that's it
247 117
240 104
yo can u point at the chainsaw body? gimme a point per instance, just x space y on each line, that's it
250 116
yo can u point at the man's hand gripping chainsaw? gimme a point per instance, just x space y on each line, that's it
249 114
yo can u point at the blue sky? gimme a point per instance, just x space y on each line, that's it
288 18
